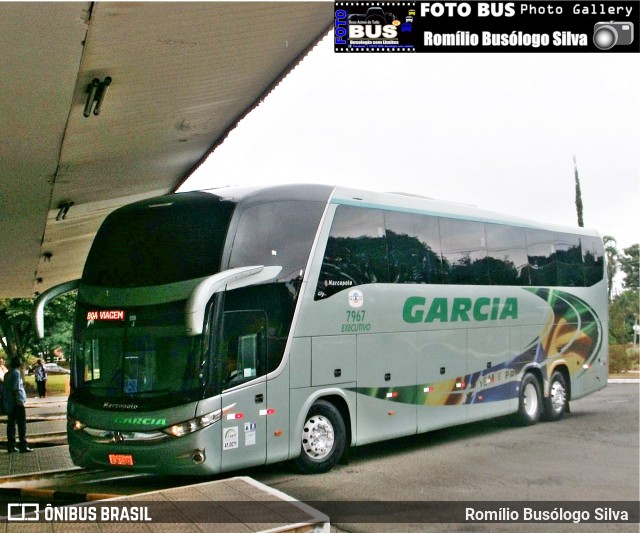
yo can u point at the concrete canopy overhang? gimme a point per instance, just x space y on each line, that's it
183 75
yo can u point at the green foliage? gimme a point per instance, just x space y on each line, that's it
623 313
630 265
579 207
16 325
624 310
622 358
56 385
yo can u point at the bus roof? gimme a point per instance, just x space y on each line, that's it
395 201
417 204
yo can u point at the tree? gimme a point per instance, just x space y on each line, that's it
578 193
9 340
17 335
630 266
612 253
623 313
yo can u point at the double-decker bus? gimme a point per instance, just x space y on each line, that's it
228 328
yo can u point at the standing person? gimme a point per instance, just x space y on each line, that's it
41 378
14 399
3 371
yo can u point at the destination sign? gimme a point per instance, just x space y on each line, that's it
111 314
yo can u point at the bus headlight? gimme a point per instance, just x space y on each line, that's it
200 422
76 425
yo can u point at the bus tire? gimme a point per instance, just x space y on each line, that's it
555 406
530 404
323 439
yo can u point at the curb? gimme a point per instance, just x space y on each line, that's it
52 418
50 494
51 437
37 475
38 402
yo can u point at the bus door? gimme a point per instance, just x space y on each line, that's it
243 367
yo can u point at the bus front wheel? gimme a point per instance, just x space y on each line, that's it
530 406
323 439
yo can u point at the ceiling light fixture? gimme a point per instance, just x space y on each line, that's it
96 91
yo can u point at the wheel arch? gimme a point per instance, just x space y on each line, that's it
341 405
537 372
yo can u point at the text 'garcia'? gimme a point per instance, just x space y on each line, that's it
417 309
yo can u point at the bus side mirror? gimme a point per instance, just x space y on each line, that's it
233 278
44 298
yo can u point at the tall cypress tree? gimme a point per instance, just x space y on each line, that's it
578 193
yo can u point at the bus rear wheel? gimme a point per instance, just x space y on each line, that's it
530 406
555 406
323 439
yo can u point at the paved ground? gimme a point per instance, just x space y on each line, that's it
253 501
46 427
592 455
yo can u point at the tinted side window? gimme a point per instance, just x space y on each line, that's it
569 257
593 260
414 248
464 252
542 257
277 233
375 246
253 333
356 251
507 255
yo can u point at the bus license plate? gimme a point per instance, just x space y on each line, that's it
120 459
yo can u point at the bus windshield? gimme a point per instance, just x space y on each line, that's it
159 242
137 354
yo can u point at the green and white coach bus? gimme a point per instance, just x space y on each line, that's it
222 329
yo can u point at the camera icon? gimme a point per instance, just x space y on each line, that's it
606 35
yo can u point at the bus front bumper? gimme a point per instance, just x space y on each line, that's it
197 453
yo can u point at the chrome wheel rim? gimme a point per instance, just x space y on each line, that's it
558 397
530 400
318 437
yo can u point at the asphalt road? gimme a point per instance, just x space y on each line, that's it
592 454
